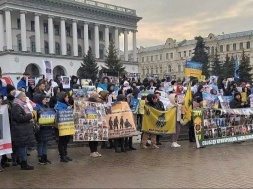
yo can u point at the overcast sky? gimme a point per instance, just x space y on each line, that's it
185 19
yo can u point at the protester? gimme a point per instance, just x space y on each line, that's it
45 133
23 81
62 104
22 128
237 101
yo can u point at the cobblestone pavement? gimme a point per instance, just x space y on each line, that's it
224 166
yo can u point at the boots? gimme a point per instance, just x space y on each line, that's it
45 159
127 145
64 159
131 143
25 166
42 160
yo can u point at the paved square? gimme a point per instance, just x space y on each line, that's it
224 166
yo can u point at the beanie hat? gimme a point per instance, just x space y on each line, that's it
19 94
38 98
9 88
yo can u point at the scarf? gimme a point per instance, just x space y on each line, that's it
22 105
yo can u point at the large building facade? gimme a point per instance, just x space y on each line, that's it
168 60
62 31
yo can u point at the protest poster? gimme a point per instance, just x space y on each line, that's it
180 98
5 134
85 82
65 82
46 117
134 105
159 122
30 81
210 101
220 126
84 92
244 96
65 122
121 121
224 101
48 69
90 122
193 69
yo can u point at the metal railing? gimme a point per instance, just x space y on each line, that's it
105 5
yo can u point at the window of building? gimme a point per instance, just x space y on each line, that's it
179 68
156 57
147 58
190 52
56 30
101 53
169 68
241 46
147 71
143 71
221 48
18 24
161 70
180 54
80 53
46 48
79 33
68 49
248 45
167 56
184 53
45 27
19 45
171 55
152 58
67 31
33 46
151 70
161 56
212 51
110 36
101 36
234 47
89 34
142 59
57 49
32 26
228 47
156 70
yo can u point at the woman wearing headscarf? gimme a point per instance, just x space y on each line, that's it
22 128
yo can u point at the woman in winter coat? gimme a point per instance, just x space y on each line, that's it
53 99
62 104
173 104
45 133
22 128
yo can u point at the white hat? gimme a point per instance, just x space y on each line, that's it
19 94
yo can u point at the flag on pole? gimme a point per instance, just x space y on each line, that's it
236 73
188 105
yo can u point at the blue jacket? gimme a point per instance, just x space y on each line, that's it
22 84
60 106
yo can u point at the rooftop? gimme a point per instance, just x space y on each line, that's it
104 6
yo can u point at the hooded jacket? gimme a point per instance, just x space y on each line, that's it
199 93
235 103
61 104
173 104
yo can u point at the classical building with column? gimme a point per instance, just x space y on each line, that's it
168 60
62 31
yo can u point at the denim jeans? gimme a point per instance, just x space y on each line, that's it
42 148
22 153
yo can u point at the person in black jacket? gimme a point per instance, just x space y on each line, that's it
237 101
53 99
199 92
22 128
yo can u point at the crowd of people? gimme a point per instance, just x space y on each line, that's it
26 97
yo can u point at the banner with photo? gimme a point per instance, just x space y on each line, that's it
5 134
210 101
221 126
90 122
65 80
121 121
224 101
159 122
193 69
48 69
83 93
134 105
65 122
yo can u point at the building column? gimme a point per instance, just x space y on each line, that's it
116 39
75 44
37 32
86 37
63 37
106 39
8 29
96 34
126 45
51 34
134 47
23 30
1 31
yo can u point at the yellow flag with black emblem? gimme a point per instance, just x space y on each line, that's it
188 105
159 122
